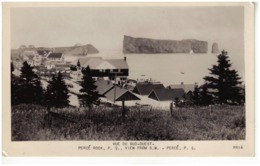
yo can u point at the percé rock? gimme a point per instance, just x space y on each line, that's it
150 46
215 49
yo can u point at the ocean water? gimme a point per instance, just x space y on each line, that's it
168 68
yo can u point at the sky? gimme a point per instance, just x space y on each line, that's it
105 27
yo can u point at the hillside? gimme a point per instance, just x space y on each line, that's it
145 45
70 50
76 50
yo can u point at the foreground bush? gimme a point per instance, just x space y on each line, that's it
223 123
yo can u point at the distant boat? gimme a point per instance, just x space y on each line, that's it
191 51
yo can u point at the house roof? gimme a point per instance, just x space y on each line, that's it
120 94
28 53
30 57
43 52
103 86
118 63
91 62
40 68
62 65
146 88
55 55
94 62
185 87
168 94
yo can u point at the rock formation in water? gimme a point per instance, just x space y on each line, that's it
215 49
150 46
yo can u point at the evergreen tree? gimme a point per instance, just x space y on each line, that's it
30 90
205 96
196 95
177 102
57 92
224 82
89 96
14 87
12 67
78 64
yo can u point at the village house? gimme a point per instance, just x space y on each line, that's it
28 56
167 94
145 88
164 97
35 57
188 89
55 57
109 69
113 94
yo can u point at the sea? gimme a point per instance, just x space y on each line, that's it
166 68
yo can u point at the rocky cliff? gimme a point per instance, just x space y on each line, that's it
150 46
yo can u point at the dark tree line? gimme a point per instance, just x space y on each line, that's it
27 89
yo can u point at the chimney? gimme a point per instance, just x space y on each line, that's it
181 83
124 58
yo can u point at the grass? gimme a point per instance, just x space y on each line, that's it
223 123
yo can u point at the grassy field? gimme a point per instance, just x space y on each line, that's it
223 123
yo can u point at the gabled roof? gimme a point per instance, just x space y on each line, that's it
118 63
146 88
43 52
121 94
185 87
55 55
93 63
167 94
30 57
103 86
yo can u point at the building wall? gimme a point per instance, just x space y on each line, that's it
108 72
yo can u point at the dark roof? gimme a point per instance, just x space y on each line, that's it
103 86
185 87
43 52
167 94
121 94
40 68
55 55
146 88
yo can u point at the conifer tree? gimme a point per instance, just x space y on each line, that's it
223 82
196 95
205 96
57 92
78 64
14 87
89 96
30 90
12 67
